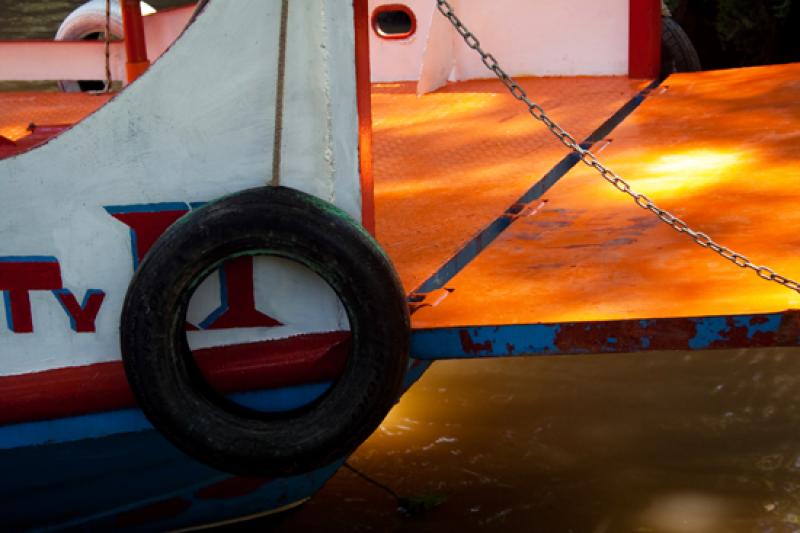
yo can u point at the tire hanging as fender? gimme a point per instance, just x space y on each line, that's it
164 377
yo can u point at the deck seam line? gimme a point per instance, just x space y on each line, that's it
486 236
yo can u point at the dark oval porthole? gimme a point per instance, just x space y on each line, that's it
394 21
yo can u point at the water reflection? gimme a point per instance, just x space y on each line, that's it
657 442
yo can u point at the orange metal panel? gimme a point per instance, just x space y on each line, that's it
720 150
19 110
449 162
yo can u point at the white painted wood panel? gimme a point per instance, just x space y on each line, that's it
198 125
528 37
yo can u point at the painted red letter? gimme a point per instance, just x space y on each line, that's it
238 309
81 316
19 276
147 223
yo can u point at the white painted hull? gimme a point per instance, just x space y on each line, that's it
198 125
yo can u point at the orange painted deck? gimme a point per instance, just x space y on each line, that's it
719 149
448 163
19 110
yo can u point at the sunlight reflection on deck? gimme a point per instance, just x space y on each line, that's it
676 174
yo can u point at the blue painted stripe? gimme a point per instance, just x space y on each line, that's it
90 496
63 292
708 331
28 259
274 494
98 425
224 305
7 307
485 237
282 399
146 208
770 324
620 336
484 341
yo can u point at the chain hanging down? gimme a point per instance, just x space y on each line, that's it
589 159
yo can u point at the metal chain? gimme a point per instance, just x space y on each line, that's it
589 159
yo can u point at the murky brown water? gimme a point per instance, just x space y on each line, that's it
658 442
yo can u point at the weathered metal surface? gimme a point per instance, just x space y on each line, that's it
522 206
719 149
618 336
591 160
449 163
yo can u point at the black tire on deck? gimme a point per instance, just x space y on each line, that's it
678 54
165 379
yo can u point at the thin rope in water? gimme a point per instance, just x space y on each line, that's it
372 481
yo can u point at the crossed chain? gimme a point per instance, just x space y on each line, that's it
589 159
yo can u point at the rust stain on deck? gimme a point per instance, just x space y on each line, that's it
471 347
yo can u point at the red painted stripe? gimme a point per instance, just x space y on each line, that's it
364 105
271 364
47 130
644 44
40 134
101 387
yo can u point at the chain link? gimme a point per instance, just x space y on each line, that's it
589 159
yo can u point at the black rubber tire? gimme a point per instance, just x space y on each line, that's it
165 379
678 54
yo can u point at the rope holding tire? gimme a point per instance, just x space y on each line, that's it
281 222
